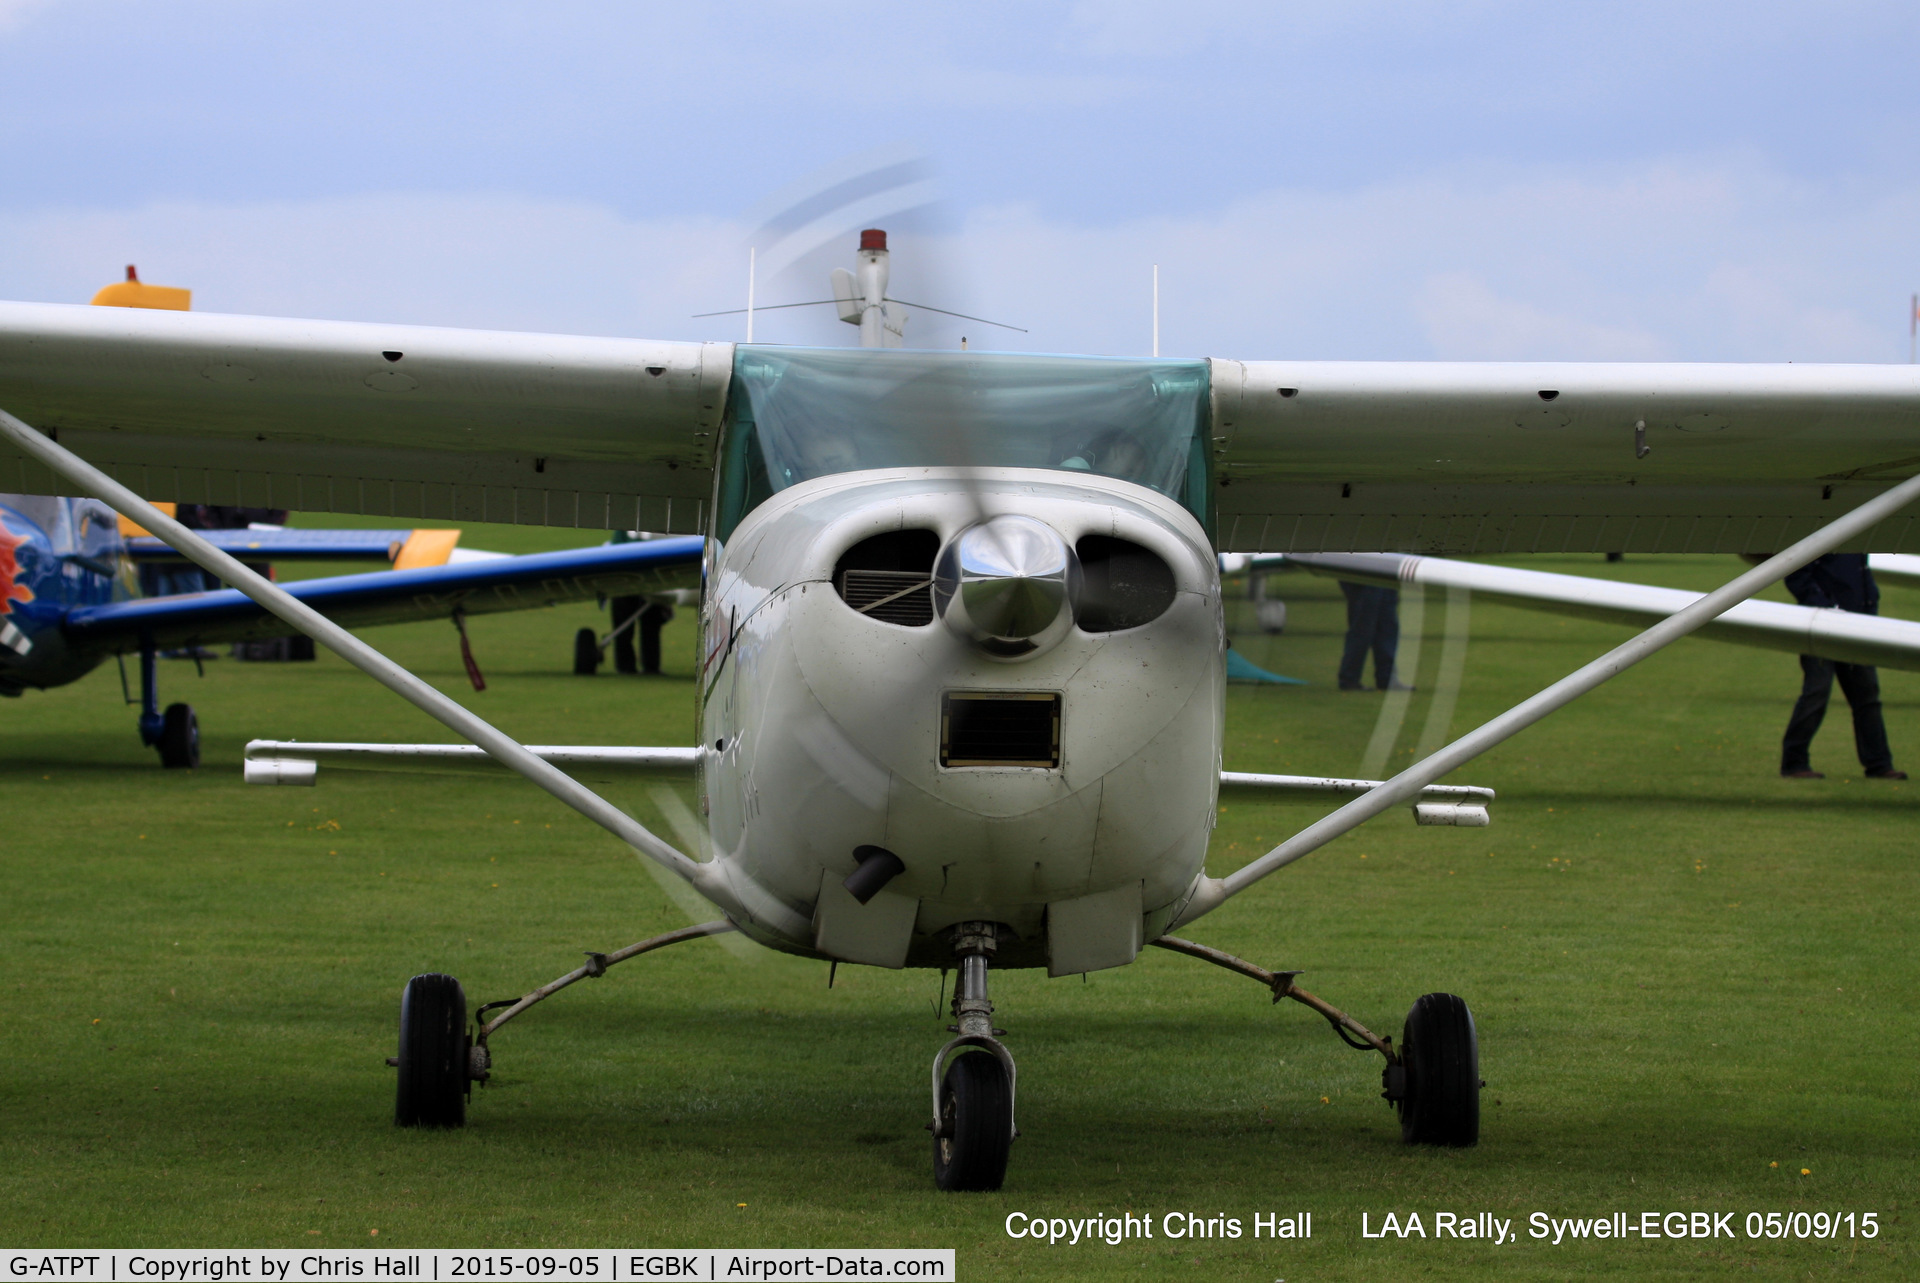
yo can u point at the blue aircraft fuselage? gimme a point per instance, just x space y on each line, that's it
55 555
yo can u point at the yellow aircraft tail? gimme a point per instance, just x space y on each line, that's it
133 292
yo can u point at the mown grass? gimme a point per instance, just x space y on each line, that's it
1684 971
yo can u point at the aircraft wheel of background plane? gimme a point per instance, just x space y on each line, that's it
976 1115
434 1061
1440 1052
586 653
179 741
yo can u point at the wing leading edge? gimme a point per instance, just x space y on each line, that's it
396 420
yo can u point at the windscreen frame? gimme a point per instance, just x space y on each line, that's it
794 414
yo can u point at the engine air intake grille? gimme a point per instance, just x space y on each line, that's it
1125 585
999 728
892 596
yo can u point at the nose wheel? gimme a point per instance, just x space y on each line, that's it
976 1124
973 1078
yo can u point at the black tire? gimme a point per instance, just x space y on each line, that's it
433 1061
1441 1052
976 1108
179 742
586 653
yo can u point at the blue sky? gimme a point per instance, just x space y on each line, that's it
1491 180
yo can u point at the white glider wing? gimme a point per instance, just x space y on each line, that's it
1899 568
1498 458
1802 630
408 421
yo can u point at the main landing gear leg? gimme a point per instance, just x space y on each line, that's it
176 732
441 1059
973 1077
1433 1079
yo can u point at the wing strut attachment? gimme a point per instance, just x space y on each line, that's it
1210 893
708 879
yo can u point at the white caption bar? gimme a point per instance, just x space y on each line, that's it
602 1265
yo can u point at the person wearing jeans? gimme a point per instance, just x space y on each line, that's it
1838 580
1373 624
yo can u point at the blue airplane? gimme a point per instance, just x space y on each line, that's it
68 595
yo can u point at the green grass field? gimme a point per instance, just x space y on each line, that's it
1692 981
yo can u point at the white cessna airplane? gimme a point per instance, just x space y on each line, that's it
963 648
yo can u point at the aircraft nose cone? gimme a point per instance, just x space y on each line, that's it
1007 585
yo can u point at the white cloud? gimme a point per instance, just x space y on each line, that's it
1154 29
1683 261
1467 321
495 262
14 13
1706 260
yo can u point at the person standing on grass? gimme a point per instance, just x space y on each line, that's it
1838 580
1373 624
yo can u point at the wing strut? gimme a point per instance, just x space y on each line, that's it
1210 893
706 878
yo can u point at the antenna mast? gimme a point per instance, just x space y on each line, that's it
750 253
1156 311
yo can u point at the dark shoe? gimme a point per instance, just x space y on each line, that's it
1398 686
1802 775
1888 774
1351 686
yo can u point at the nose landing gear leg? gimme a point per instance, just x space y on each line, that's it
973 1077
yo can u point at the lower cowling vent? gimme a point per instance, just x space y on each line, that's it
999 729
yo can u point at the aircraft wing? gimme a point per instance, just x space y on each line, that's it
396 596
1801 630
329 416
1899 568
618 434
1494 458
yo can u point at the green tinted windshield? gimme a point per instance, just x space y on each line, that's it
798 413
